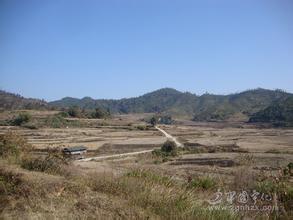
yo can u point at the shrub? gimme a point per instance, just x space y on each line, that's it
160 119
267 186
9 182
32 124
154 121
63 114
142 127
288 170
290 165
204 183
165 119
55 121
282 190
12 144
21 119
52 163
100 113
74 112
169 147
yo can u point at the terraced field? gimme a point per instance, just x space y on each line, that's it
93 138
221 155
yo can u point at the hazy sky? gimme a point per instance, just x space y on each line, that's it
112 49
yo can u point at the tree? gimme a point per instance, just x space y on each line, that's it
74 111
21 119
100 113
169 146
154 121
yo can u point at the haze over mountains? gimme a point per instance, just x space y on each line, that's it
207 107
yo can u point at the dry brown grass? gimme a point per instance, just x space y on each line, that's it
138 194
152 191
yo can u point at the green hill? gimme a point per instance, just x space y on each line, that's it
279 113
257 104
206 107
162 100
217 107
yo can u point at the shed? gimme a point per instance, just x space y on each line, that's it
77 150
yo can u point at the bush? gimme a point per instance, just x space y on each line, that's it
160 119
21 119
169 147
100 113
52 163
74 112
9 182
63 114
281 189
204 183
32 124
142 127
55 121
12 144
154 121
165 119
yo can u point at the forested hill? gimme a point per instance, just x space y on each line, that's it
200 108
10 101
279 113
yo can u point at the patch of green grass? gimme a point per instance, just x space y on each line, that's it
267 186
281 188
204 182
151 177
63 114
193 150
55 121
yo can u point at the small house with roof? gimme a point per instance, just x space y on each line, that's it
75 152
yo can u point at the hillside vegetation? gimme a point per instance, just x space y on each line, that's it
206 107
51 187
10 101
279 113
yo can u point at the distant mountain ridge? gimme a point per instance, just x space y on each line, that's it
10 101
207 107
258 105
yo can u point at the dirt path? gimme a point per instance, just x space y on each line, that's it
116 155
168 136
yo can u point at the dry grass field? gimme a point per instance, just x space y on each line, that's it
217 157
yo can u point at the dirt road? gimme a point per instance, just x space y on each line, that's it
168 136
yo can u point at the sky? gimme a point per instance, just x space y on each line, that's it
50 49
